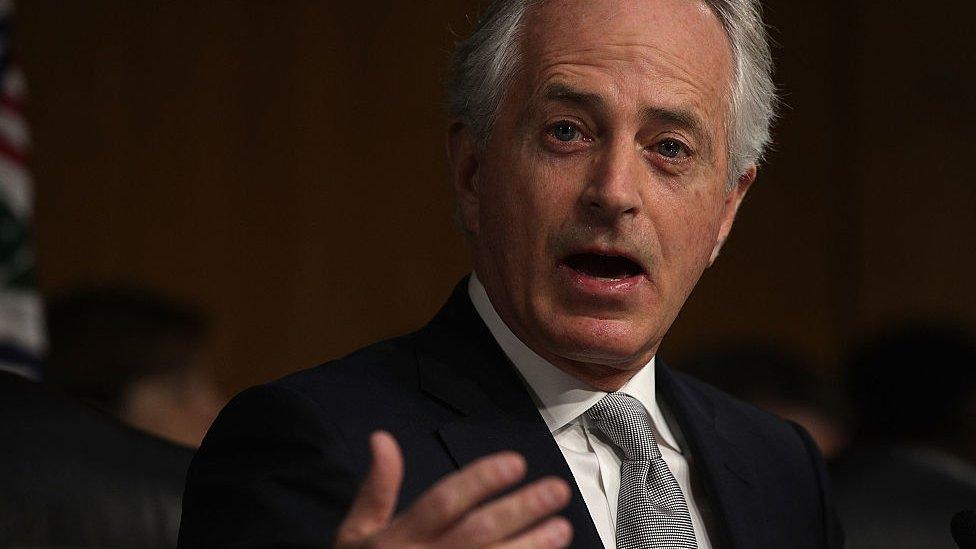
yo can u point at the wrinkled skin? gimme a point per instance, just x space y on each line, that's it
611 140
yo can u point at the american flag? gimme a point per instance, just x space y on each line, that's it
22 341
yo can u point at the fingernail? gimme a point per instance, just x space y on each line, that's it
553 494
507 468
558 533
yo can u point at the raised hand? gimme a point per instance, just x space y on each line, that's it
455 511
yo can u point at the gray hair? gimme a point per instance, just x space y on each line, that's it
484 62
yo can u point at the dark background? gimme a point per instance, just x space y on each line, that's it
282 164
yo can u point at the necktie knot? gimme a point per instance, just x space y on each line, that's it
625 422
651 510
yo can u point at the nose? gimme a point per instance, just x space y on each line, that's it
613 190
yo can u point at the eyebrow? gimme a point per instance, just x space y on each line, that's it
682 118
566 94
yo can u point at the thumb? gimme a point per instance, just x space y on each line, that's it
377 497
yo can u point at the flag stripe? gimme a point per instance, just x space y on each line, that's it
11 151
22 341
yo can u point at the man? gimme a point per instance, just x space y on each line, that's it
599 151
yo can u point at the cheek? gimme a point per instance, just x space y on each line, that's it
688 232
526 202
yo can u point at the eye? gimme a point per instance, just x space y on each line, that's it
671 148
565 132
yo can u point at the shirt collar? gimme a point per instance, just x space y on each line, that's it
560 397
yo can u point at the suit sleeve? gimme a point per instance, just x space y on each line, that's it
272 471
833 533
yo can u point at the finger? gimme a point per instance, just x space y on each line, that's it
456 494
377 497
555 532
507 516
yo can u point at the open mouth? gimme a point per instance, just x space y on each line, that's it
607 267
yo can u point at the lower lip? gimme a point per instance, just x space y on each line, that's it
600 286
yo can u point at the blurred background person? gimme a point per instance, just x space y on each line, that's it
134 354
912 462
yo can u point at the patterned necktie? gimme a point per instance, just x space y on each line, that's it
651 511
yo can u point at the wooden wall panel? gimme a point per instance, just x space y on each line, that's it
281 163
917 114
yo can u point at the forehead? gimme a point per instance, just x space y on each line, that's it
661 51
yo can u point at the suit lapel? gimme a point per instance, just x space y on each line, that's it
462 366
728 480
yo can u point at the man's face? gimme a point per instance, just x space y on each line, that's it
601 195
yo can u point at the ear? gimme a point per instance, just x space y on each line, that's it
733 200
462 154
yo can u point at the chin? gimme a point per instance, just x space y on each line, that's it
615 344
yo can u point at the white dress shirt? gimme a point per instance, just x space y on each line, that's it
563 401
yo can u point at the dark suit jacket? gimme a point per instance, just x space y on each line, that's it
72 477
282 462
